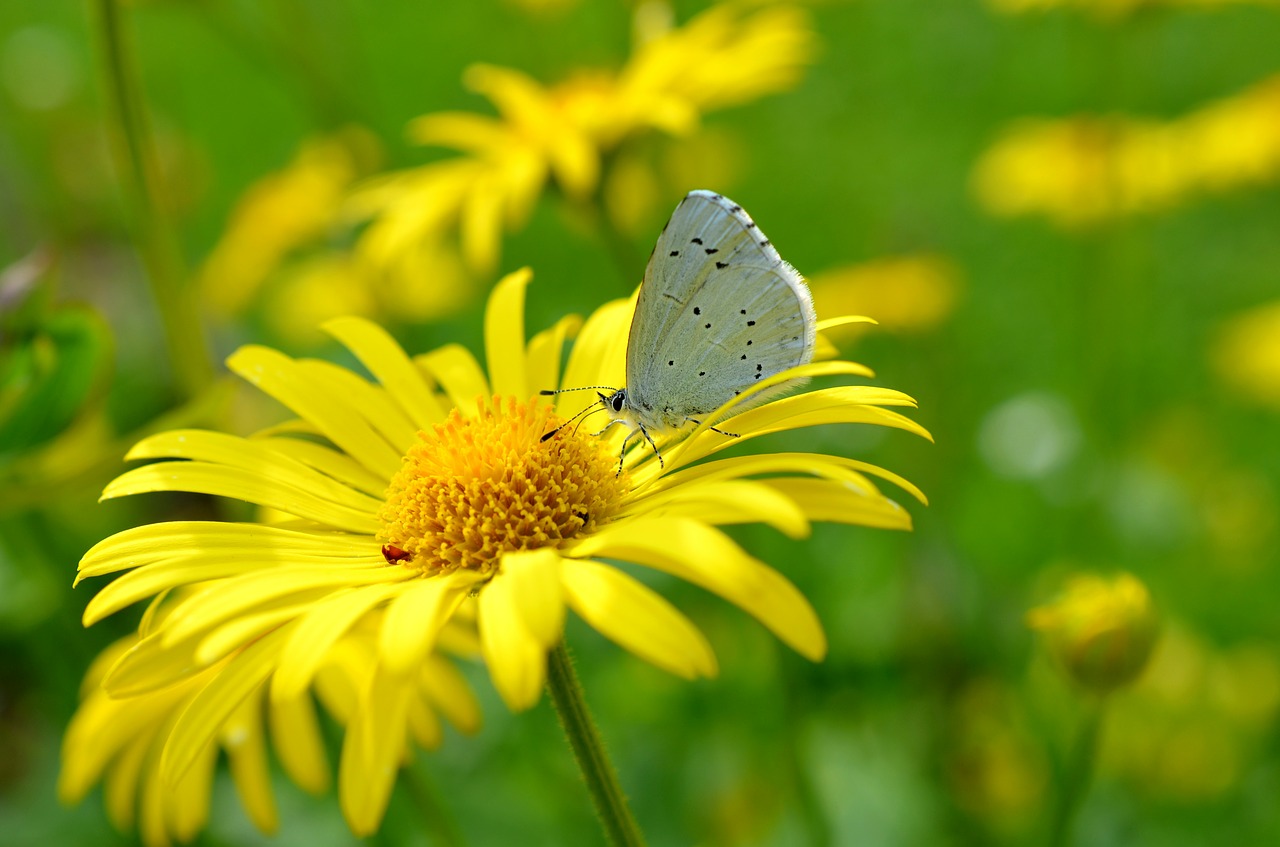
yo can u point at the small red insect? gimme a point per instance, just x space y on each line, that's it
394 554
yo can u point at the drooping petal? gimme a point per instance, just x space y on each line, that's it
195 728
414 618
295 732
516 660
624 610
245 744
707 557
316 632
442 683
533 578
372 750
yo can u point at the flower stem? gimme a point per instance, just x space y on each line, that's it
588 748
1077 774
156 241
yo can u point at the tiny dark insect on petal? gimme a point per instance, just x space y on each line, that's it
394 554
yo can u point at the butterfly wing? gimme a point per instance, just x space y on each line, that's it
718 310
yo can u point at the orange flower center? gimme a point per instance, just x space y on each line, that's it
473 488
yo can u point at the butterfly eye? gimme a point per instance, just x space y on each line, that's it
617 400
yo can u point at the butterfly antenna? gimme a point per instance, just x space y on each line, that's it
546 392
549 435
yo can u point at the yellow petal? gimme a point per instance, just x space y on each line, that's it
444 685
317 631
378 408
833 500
255 458
504 338
297 741
175 539
372 750
268 589
456 370
707 557
239 678
386 360
185 803
624 610
223 481
517 662
542 361
598 357
480 221
464 131
150 665
245 744
414 618
424 725
343 424
728 502
533 579
120 786
330 462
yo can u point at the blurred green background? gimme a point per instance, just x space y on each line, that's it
1083 383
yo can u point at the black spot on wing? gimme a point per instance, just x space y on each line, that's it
674 253
695 240
722 265
697 310
711 250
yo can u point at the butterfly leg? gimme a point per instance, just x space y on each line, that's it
656 451
715 429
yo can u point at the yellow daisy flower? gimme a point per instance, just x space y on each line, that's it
433 493
729 54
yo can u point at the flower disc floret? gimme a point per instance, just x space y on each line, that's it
474 488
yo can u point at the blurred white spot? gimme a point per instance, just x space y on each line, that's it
1148 506
38 68
1029 436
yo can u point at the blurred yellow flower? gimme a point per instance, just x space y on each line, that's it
130 720
1197 721
905 293
1246 354
281 213
562 134
433 493
1101 629
1085 170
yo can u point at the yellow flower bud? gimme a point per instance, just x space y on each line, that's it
1101 629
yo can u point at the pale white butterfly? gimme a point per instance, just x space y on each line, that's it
718 311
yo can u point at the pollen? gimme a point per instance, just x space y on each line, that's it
473 488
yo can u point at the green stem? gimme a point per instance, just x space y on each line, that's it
156 241
588 748
1077 774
